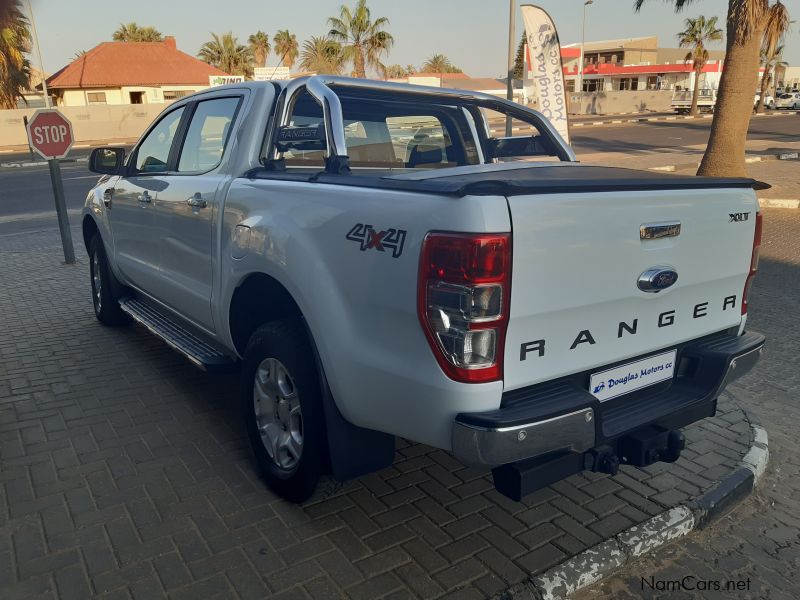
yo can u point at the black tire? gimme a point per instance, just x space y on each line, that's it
274 346
106 304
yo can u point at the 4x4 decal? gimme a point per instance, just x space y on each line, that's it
368 238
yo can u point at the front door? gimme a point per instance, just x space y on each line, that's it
185 211
133 204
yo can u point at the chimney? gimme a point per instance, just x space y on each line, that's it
170 42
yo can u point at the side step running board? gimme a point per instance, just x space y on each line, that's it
177 337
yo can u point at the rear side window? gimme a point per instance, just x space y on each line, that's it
207 135
153 153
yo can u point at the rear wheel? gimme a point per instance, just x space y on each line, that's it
106 304
282 408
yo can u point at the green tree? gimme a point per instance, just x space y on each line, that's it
227 54
322 55
397 71
439 63
696 34
746 24
286 47
770 62
519 60
259 46
131 32
363 39
15 41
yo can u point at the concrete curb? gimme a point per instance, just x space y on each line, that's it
779 202
40 163
594 564
615 121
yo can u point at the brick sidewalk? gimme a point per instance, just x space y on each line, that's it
759 541
125 473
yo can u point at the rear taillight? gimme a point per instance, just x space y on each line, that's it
753 262
463 302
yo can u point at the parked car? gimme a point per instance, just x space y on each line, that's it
769 101
533 318
790 100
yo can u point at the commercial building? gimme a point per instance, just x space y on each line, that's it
636 64
130 73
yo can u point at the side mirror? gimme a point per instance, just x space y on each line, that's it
107 161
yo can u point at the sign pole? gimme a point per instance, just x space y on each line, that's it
61 211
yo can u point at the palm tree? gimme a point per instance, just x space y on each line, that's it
363 40
227 54
321 55
697 33
15 40
259 46
286 47
131 32
747 22
439 63
519 59
770 62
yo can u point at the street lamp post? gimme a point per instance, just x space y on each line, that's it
581 65
512 36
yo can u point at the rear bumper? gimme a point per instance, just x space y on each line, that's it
562 416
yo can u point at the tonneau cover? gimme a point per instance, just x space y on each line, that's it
511 179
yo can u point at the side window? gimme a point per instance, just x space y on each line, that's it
153 153
207 135
422 141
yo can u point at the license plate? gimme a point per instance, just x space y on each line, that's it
633 376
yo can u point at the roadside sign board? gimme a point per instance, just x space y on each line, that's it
271 73
50 134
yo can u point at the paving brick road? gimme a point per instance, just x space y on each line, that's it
125 474
760 540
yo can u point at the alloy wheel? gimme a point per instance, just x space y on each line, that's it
279 419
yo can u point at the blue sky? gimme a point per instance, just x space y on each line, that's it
473 33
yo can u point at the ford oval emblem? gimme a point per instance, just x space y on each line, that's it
656 279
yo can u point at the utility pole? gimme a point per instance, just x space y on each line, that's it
512 36
39 54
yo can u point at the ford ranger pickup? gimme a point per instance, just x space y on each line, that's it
377 263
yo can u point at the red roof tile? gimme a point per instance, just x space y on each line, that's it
115 64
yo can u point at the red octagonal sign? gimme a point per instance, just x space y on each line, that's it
50 133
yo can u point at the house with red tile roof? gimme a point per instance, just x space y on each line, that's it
130 73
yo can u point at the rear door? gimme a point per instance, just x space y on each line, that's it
186 207
575 299
132 208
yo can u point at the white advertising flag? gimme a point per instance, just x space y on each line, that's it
547 72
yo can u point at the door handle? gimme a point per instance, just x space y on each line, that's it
196 201
144 197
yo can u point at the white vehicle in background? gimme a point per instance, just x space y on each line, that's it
682 100
789 100
363 253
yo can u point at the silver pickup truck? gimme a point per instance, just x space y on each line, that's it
378 264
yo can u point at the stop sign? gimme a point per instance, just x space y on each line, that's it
50 133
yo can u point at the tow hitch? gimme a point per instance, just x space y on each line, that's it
641 448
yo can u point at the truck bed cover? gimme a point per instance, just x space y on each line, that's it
509 179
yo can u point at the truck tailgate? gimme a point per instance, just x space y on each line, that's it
577 258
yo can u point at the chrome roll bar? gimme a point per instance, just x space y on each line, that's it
319 88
